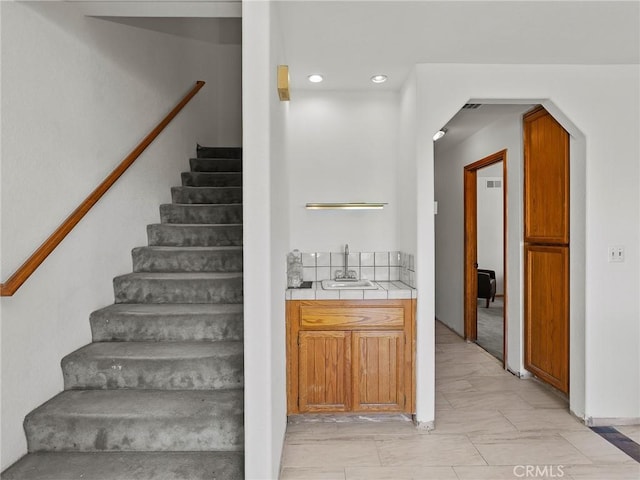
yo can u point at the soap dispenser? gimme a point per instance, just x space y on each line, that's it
294 269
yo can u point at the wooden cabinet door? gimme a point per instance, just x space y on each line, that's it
546 313
324 371
378 371
546 179
546 250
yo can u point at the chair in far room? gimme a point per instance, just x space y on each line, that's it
487 285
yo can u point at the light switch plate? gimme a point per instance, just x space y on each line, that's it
616 253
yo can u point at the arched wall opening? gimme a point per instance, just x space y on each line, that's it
574 95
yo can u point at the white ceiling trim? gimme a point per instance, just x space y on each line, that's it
154 8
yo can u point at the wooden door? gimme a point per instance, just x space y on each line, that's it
546 250
324 371
378 371
547 311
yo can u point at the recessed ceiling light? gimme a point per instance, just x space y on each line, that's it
439 134
315 78
379 78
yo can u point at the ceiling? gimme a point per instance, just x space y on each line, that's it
349 41
470 121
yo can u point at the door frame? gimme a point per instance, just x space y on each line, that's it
471 246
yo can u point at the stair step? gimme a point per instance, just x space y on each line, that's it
211 179
138 420
155 365
187 259
219 152
215 164
178 288
198 195
128 466
194 235
167 323
210 214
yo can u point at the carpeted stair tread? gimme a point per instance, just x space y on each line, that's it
187 235
128 466
196 287
204 195
215 164
155 365
211 179
201 213
187 259
218 152
150 322
138 420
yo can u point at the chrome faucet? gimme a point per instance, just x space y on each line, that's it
346 274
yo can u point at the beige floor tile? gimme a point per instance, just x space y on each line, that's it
441 402
471 421
448 338
542 419
400 473
378 429
508 472
596 448
319 473
456 356
310 431
335 454
631 431
527 449
453 385
464 371
539 397
603 472
429 450
487 400
505 383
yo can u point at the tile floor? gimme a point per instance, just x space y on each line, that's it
489 425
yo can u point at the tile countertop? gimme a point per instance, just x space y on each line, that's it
386 290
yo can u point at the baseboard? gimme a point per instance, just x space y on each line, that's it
611 421
428 426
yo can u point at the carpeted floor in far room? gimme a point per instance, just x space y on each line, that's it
490 326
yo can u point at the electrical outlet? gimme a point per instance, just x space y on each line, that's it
616 253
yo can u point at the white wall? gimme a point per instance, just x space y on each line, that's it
280 245
342 147
266 238
449 165
490 231
78 94
610 368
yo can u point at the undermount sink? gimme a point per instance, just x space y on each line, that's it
348 285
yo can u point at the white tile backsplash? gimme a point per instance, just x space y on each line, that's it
375 266
394 273
323 259
337 260
382 259
366 259
367 273
323 273
309 274
308 259
382 273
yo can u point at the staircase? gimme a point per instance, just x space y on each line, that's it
159 392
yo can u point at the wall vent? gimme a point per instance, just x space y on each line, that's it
494 183
471 106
